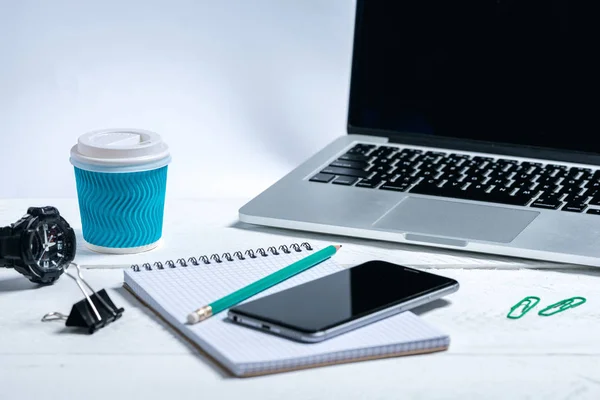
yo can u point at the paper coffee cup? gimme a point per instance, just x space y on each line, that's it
121 177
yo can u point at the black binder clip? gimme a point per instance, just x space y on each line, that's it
94 312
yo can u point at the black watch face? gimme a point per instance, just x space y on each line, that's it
51 246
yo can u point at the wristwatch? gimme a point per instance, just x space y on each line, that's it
40 245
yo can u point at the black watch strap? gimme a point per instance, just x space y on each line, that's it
10 247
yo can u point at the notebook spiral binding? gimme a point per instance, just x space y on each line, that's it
260 252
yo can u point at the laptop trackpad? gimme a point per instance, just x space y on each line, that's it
457 220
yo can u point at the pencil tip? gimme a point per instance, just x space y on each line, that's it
338 246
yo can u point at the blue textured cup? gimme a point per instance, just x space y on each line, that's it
121 178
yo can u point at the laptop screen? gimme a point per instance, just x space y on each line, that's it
521 72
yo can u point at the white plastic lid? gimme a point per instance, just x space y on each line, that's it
120 150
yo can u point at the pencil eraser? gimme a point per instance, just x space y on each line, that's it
193 318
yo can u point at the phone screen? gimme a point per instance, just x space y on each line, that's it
343 296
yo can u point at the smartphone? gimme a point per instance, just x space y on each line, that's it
342 301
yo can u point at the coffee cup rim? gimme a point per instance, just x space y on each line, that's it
120 149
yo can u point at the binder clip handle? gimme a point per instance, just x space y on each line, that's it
94 312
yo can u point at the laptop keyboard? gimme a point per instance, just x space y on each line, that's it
434 173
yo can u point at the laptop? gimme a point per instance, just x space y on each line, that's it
471 126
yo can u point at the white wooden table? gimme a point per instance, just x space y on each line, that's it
138 356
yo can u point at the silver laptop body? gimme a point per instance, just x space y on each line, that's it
413 118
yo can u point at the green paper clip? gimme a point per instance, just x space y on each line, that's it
527 303
562 305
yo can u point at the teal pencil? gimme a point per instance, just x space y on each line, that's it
276 277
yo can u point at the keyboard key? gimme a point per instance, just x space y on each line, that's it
556 166
482 160
528 193
349 164
383 152
427 174
547 180
571 182
453 185
478 192
547 204
594 211
575 198
478 187
383 176
410 152
524 185
518 198
366 145
358 149
546 188
504 161
429 159
346 172
579 173
344 180
474 165
435 153
427 166
570 190
405 170
455 163
449 168
472 170
502 190
523 177
368 183
399 182
406 164
459 156
398 187
449 176
491 168
592 185
431 189
546 197
542 172
381 169
574 207
528 165
474 178
405 179
354 157
322 178
595 201
498 182
383 161
559 173
499 175
539 173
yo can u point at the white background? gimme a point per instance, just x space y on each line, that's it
242 91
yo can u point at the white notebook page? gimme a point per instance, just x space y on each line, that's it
175 292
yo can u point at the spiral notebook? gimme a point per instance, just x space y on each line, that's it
174 288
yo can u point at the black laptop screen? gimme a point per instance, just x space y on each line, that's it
513 71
